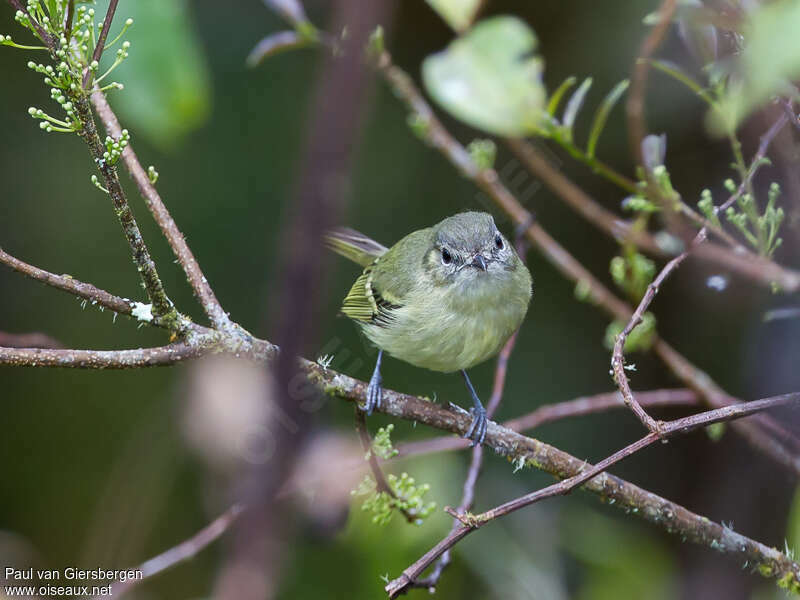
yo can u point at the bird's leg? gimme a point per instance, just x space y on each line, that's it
477 429
374 389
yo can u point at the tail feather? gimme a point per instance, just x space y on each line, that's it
354 246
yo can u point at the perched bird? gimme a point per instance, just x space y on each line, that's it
444 298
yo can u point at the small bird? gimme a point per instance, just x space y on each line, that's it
444 298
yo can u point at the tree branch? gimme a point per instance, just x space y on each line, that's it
162 305
741 260
102 359
724 539
555 412
194 275
184 551
637 129
101 40
70 285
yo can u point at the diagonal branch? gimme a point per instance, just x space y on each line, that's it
180 553
162 305
194 275
637 129
722 538
741 260
101 40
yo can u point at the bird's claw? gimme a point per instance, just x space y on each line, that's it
374 394
477 429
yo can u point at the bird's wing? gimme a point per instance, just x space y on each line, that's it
383 286
354 246
367 303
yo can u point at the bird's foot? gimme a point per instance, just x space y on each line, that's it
374 393
477 429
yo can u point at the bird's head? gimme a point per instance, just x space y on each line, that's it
468 249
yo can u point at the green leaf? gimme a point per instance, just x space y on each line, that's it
601 116
555 99
678 74
574 105
167 90
458 14
490 78
766 66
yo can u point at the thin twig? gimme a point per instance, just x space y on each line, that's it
381 484
617 358
180 553
43 35
69 19
101 41
70 285
722 535
162 305
637 130
202 290
616 227
555 412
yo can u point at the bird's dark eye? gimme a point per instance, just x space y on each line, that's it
447 258
498 242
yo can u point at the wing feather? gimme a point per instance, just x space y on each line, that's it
366 304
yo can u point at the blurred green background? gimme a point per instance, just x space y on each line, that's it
96 466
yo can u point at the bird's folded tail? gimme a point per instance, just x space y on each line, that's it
354 245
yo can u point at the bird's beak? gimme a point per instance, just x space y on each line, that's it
478 262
